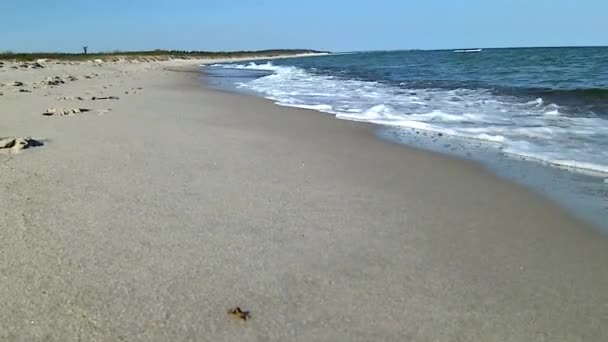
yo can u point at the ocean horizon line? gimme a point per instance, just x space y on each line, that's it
476 47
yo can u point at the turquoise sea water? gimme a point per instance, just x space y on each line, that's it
538 116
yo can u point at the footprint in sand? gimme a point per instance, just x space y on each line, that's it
16 145
93 98
90 76
51 82
65 112
70 98
72 111
134 90
103 111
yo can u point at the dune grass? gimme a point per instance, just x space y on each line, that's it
153 54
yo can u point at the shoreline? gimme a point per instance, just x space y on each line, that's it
381 133
149 221
579 190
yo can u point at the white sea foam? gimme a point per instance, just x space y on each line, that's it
531 152
534 130
321 108
468 51
252 66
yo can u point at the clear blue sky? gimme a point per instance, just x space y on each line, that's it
337 25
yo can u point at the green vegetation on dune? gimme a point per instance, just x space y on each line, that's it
153 54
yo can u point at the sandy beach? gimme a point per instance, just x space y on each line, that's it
155 205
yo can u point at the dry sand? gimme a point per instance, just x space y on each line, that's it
149 222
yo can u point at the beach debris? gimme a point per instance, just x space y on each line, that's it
15 145
98 61
17 84
24 90
239 313
64 112
71 78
